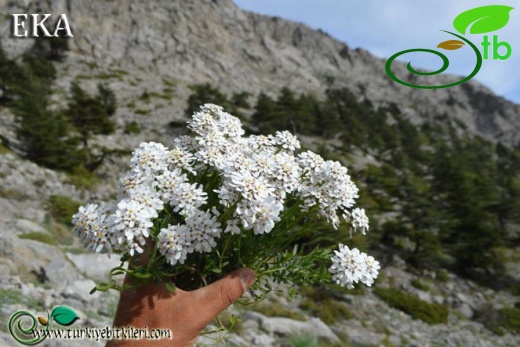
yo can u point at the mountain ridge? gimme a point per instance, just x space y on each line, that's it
218 43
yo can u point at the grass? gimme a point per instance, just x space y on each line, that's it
442 276
169 82
12 194
430 313
132 128
83 179
226 318
12 296
510 319
321 305
61 208
303 341
143 112
4 149
277 310
40 237
9 296
417 283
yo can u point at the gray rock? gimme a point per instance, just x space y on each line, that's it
30 257
60 273
94 266
287 327
438 299
24 226
262 340
7 267
465 310
80 290
424 296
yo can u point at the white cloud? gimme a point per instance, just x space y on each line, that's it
386 27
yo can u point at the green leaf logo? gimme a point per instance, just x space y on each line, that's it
64 315
482 19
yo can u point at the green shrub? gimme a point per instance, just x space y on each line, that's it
510 319
143 112
40 237
83 178
303 341
62 208
430 313
321 305
442 276
277 310
417 283
132 128
9 296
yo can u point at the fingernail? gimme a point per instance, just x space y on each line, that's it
247 277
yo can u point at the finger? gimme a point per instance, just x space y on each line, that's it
215 298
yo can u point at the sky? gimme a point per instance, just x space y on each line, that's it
387 27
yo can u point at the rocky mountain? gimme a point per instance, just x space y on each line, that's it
149 53
138 46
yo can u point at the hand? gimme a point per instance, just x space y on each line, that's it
185 313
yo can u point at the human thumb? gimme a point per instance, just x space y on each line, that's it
215 298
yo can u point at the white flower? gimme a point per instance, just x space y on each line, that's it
168 183
203 228
352 266
182 159
260 216
247 180
149 158
286 140
251 187
147 196
130 223
173 244
359 219
212 119
188 198
84 219
232 226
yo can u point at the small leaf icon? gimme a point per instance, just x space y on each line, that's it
482 19
42 320
451 45
64 315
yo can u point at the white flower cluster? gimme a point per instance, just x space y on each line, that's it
255 175
351 266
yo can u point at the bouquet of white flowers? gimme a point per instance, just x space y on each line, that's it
218 201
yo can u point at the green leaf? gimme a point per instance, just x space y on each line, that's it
170 286
125 257
482 19
64 315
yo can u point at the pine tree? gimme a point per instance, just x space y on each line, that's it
47 136
92 116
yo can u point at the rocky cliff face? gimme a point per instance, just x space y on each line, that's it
160 47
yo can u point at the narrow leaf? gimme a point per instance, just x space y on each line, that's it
482 19
64 315
451 45
170 286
